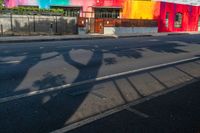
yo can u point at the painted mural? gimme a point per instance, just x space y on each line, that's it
48 3
135 9
131 8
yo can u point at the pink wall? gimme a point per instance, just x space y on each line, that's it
190 17
11 3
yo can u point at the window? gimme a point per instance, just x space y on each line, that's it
72 12
190 10
167 19
178 20
107 13
69 11
199 22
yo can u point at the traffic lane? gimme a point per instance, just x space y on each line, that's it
37 47
185 38
77 63
55 110
177 111
51 111
112 45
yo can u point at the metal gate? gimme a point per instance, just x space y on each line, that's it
99 28
91 25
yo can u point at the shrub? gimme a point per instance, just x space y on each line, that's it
31 10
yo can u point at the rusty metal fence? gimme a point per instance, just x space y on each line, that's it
112 22
129 23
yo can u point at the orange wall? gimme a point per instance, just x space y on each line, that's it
140 9
131 9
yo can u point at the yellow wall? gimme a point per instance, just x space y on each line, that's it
140 9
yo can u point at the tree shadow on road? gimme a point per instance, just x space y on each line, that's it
54 110
175 112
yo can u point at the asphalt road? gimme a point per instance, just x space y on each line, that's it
28 67
176 112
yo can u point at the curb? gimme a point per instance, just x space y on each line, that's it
55 39
147 35
173 34
89 38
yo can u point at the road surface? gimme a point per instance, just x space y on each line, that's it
43 88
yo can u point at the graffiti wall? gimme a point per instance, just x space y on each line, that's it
48 3
135 9
164 11
130 8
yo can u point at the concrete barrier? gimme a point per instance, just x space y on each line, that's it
129 30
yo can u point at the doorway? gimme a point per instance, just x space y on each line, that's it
199 24
99 28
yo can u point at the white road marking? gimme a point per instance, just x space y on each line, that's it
10 62
98 95
115 110
15 97
137 112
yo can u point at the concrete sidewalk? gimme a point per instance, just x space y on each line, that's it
18 39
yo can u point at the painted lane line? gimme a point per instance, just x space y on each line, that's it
10 62
89 120
137 112
118 109
98 95
11 98
146 68
15 97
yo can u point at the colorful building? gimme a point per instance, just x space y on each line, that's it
176 17
170 15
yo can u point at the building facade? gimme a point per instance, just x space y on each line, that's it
169 15
175 17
